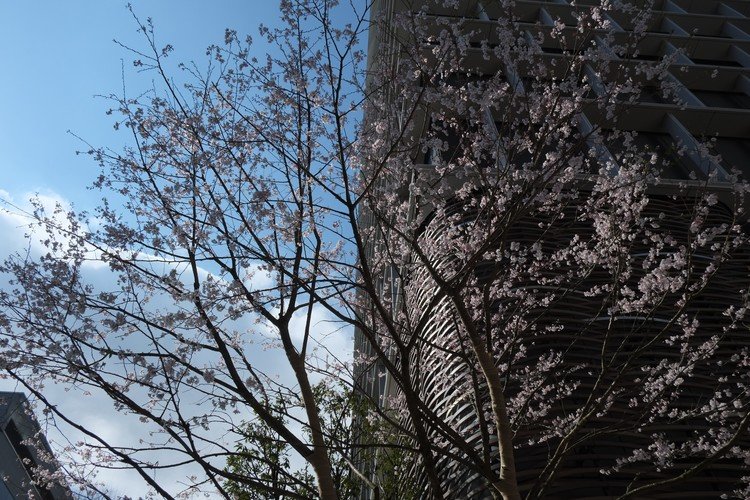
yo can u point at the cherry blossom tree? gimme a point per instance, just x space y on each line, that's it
536 290
563 297
227 240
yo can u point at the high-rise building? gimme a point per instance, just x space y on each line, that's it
702 94
23 452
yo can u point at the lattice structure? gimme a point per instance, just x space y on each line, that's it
581 337
709 97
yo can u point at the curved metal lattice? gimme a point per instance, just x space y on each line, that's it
581 334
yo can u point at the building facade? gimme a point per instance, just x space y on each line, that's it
19 459
702 49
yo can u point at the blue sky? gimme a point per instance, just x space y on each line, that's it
57 55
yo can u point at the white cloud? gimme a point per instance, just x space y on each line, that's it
329 340
96 411
93 410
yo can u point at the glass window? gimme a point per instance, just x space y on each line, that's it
672 165
735 154
652 93
638 56
716 62
719 99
